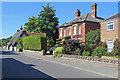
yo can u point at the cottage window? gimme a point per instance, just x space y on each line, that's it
110 26
74 30
60 32
64 32
79 29
69 31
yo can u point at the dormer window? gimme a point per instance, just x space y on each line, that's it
110 26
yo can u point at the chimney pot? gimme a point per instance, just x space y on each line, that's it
21 28
77 13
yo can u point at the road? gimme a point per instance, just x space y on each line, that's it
21 66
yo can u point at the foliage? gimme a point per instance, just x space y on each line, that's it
35 42
103 44
93 37
58 41
116 47
50 42
99 51
46 22
71 46
32 24
58 52
86 53
77 51
5 41
67 37
56 45
19 42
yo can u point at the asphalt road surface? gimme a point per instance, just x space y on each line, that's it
20 66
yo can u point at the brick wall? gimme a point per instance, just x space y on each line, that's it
109 35
83 33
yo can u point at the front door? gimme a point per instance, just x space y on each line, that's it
110 45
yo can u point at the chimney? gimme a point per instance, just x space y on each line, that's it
21 28
18 30
77 13
94 10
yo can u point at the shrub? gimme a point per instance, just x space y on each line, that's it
93 37
71 46
58 41
86 53
99 51
35 42
20 45
77 51
50 42
67 37
56 45
58 52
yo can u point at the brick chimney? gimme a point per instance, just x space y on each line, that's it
18 30
94 10
21 28
77 13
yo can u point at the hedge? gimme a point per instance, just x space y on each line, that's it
35 42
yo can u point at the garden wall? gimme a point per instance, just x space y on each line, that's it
93 59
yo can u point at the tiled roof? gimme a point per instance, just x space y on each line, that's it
34 33
113 17
85 17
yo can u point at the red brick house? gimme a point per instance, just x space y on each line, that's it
78 27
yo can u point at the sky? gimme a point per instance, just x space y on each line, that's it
15 14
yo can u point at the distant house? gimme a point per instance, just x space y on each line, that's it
12 45
81 25
110 31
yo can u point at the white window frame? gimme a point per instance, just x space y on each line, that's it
64 32
69 29
108 41
79 30
110 24
60 32
74 30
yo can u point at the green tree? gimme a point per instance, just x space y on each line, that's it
5 41
46 22
93 37
32 25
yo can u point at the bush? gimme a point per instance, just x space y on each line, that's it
86 53
99 51
58 52
58 41
67 37
77 51
93 37
71 46
20 45
50 42
35 42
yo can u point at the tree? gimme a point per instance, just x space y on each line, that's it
5 41
93 37
45 23
32 24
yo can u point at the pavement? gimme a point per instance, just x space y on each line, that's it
33 65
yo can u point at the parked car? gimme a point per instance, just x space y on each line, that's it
52 49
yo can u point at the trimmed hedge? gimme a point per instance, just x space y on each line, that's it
35 42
